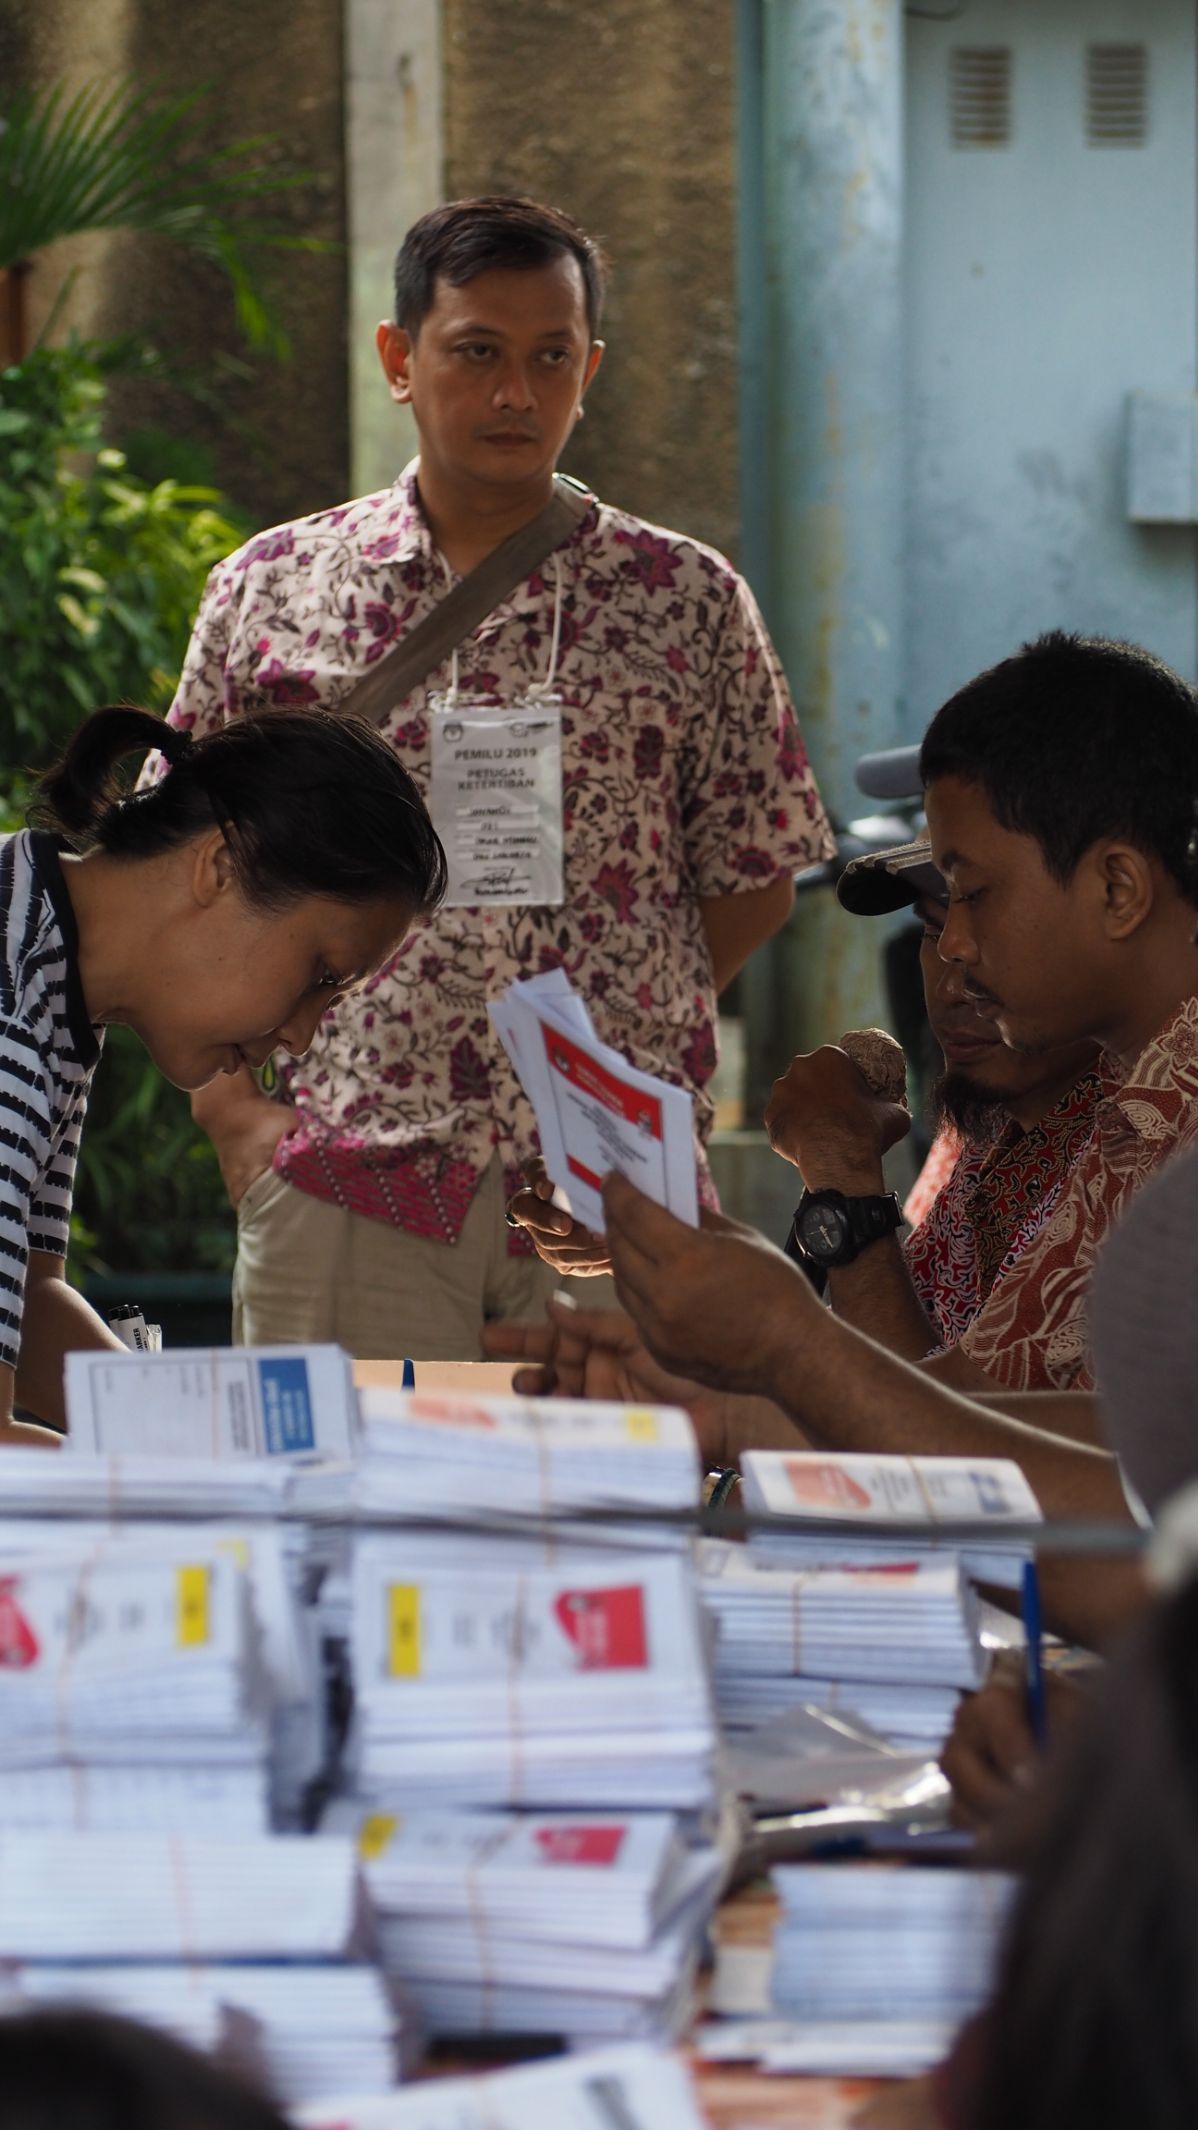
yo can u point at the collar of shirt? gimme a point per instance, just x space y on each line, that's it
1143 1104
409 538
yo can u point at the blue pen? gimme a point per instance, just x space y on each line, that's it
1034 1658
409 1376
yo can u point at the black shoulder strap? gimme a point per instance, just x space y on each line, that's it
470 601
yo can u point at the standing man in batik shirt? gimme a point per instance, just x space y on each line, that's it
371 1192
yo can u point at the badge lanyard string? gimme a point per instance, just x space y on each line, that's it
538 687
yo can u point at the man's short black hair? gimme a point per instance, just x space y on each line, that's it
466 238
1074 740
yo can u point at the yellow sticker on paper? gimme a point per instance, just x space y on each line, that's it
641 1425
403 1604
374 1834
191 1607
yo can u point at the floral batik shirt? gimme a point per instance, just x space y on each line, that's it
1031 1332
993 1206
684 777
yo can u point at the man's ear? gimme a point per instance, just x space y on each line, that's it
212 870
395 354
1128 887
598 350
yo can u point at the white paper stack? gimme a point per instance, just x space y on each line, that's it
541 1924
631 2088
595 1112
218 1402
302 2030
901 1942
114 1486
440 1454
67 1896
135 1619
888 1645
825 1491
501 1672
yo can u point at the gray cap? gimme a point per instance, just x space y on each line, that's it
891 880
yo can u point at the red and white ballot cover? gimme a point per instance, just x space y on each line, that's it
819 1493
595 1112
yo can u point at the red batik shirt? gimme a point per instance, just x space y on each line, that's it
1031 1333
993 1206
684 777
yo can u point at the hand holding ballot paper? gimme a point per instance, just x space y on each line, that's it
595 1112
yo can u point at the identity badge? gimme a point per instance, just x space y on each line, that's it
497 799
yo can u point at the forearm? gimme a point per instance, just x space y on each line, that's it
875 1294
736 925
846 1392
1076 1414
56 1321
224 1100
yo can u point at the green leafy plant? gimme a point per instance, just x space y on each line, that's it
124 157
100 574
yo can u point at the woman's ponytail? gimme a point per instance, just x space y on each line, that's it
75 795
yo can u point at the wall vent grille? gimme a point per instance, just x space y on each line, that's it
980 96
1116 95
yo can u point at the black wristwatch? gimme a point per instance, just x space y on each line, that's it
830 1229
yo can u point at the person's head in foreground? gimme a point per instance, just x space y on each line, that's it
84 2070
984 1082
221 911
1061 789
1095 2016
495 338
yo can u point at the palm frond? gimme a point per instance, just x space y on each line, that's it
124 157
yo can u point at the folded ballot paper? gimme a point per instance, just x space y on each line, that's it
886 1941
213 1402
447 1454
631 2088
595 1112
820 1493
512 1673
302 2030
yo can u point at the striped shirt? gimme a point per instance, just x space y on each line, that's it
48 1052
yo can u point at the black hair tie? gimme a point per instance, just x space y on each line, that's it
173 744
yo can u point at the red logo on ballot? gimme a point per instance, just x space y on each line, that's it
825 1486
579 1845
18 1643
607 1627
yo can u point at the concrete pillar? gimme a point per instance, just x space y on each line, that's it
832 145
395 157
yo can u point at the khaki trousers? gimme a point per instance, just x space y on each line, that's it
310 1271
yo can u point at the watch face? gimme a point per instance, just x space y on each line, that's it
823 1229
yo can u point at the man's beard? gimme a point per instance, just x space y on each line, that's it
979 1113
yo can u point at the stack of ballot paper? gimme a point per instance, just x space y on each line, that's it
544 1924
889 1645
629 2088
142 1614
453 1455
217 1402
301 2030
818 1493
595 1112
150 1897
521 1672
881 1941
132 1691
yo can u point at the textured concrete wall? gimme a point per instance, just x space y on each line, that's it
623 114
276 436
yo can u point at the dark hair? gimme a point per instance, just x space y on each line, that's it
67 2069
1095 2017
1075 739
311 804
465 238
